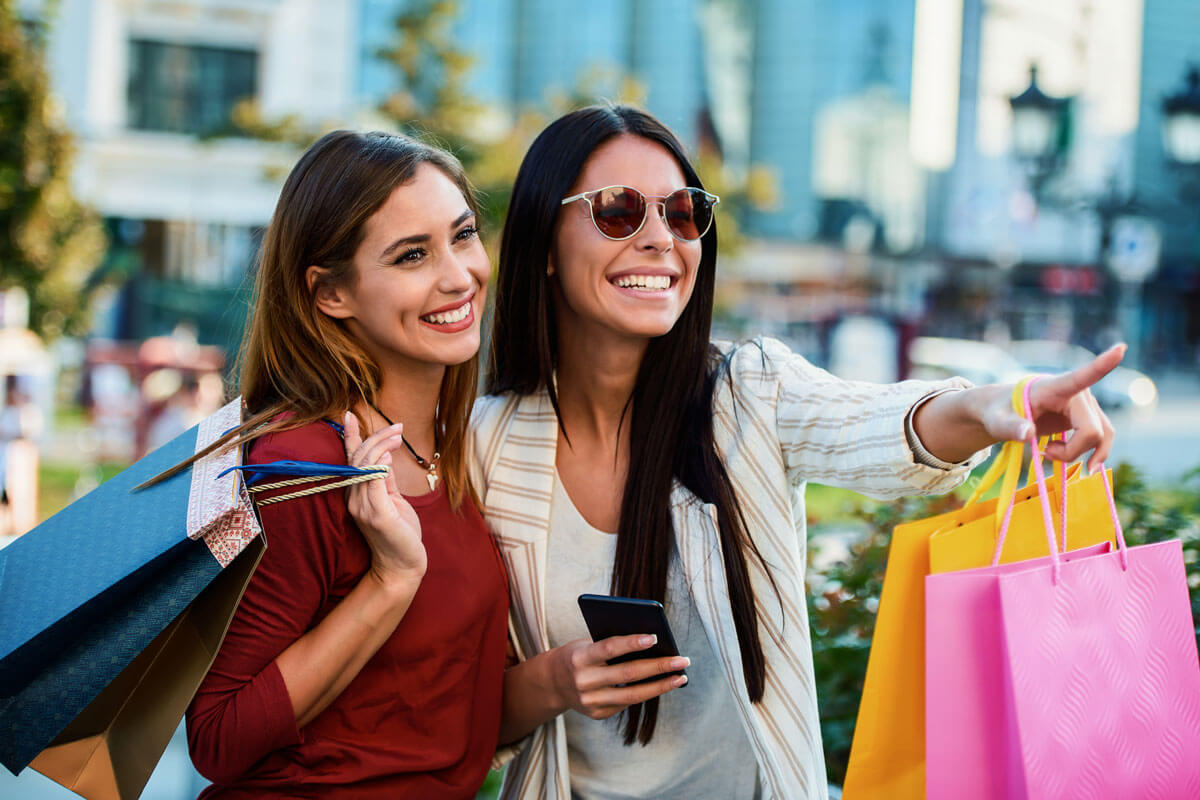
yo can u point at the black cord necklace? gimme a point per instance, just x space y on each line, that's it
430 466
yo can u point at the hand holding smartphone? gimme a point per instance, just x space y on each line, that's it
607 616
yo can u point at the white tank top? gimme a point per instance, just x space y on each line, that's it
699 748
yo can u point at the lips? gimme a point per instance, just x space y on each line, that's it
645 282
450 316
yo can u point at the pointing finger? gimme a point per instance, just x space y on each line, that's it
1075 381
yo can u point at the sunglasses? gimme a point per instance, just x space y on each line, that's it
619 212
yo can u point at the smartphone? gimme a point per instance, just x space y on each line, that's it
621 616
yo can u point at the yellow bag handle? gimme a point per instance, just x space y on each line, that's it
1008 462
1007 467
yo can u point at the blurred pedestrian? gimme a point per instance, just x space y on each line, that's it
20 425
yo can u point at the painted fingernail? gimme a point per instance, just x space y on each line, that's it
680 681
647 641
681 662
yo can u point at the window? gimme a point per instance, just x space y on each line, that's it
207 254
187 88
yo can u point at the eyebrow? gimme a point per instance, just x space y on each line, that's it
423 237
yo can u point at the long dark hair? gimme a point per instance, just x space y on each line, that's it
296 359
671 424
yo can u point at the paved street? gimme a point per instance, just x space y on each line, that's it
1165 444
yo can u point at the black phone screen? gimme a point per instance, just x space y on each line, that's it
622 616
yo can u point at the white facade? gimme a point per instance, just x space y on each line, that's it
1086 50
302 52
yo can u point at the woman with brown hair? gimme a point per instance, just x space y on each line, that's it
366 657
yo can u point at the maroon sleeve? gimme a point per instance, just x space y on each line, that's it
242 711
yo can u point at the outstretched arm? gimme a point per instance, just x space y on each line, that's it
954 425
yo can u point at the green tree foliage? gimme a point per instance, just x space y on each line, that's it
1150 515
433 102
49 242
842 602
432 98
843 598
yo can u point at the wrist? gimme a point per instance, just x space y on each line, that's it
953 426
978 403
557 673
397 582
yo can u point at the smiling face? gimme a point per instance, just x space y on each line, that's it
420 278
633 288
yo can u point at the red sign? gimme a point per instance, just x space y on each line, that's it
1071 280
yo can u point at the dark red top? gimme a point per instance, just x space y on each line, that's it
422 717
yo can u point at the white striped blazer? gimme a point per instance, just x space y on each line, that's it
779 422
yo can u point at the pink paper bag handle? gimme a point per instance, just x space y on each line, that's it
1039 472
1009 463
1056 565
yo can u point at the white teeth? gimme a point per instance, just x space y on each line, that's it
655 282
448 317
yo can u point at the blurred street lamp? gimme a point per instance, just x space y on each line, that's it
1181 133
1040 131
1128 241
1181 122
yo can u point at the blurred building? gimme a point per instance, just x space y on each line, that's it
757 74
887 124
149 87
1170 47
817 92
851 59
525 51
1041 251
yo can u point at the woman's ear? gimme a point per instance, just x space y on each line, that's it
326 294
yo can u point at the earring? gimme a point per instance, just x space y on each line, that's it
549 270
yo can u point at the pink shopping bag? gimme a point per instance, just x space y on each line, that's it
969 719
1072 676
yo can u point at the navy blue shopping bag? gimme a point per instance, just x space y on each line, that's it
112 610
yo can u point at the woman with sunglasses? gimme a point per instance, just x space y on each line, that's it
620 451
366 657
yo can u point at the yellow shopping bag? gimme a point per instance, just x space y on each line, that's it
887 755
969 543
